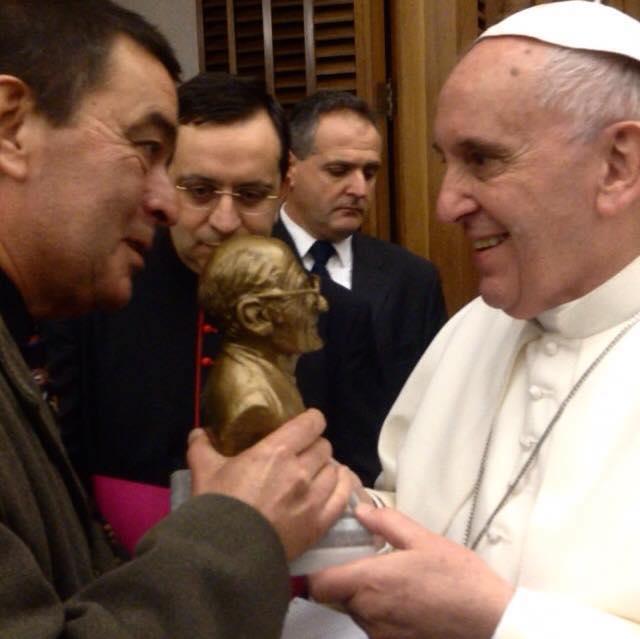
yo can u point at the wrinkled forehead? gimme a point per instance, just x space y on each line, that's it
494 62
344 131
496 77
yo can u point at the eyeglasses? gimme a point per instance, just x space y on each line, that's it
205 197
314 287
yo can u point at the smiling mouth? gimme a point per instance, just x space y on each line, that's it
489 242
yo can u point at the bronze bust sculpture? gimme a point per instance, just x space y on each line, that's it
267 307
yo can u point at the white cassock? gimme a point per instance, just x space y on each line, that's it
569 535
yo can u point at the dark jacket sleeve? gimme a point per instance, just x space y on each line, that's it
215 568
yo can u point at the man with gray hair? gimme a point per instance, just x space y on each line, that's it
513 449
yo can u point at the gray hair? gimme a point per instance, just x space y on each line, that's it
306 115
594 88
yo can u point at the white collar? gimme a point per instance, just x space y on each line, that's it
611 303
303 240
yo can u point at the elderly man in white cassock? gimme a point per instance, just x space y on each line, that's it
513 452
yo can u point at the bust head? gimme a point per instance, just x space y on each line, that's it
257 292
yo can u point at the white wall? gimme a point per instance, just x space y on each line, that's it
178 22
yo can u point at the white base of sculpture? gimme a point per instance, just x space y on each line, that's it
345 541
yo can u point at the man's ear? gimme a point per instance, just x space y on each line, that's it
291 173
16 104
284 189
620 181
253 315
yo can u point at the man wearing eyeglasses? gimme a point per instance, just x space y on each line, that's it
148 363
227 168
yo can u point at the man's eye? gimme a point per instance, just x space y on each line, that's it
476 158
201 192
337 170
370 173
252 196
150 148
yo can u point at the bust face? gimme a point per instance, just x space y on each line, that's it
296 318
261 295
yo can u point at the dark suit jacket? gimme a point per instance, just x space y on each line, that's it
344 380
404 295
126 380
407 304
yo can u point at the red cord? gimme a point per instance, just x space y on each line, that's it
198 384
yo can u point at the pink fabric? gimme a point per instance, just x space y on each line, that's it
131 508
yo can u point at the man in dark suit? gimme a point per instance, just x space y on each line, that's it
129 383
333 166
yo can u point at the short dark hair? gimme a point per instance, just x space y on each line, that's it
60 48
221 98
306 114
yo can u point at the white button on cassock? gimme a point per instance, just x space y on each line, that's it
535 392
527 441
493 536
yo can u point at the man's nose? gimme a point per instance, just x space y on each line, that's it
224 216
454 199
160 200
321 303
358 184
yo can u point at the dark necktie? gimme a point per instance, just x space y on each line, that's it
321 251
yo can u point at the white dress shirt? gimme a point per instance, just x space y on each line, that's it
339 265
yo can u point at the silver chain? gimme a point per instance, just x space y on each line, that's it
534 453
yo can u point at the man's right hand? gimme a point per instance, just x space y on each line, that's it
429 587
289 476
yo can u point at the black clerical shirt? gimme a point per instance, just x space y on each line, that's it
24 330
